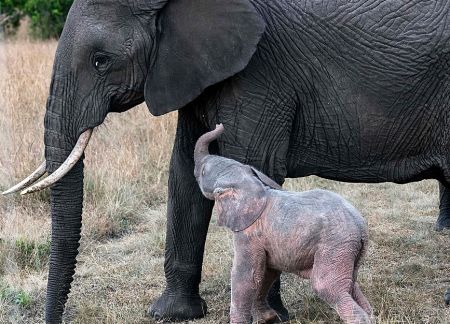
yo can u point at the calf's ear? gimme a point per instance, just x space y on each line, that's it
199 43
265 179
237 209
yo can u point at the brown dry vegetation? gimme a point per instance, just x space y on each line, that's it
120 269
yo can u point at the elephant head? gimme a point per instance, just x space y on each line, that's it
239 190
113 55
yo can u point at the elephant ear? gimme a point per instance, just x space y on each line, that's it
237 210
265 179
200 43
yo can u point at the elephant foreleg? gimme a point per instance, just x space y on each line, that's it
188 216
444 208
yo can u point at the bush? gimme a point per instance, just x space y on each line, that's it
47 17
31 255
16 296
11 11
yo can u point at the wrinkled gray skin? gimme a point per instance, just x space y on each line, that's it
315 234
347 90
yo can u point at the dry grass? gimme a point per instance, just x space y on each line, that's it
120 268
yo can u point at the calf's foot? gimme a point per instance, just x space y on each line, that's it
447 297
177 307
267 316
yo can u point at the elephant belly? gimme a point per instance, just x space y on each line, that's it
358 137
366 159
352 128
291 247
298 264
293 230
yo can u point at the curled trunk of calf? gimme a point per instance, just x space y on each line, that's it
201 148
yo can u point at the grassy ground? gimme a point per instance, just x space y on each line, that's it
120 269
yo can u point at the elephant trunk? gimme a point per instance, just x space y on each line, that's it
66 203
66 209
201 147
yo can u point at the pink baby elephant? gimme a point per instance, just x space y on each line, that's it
315 234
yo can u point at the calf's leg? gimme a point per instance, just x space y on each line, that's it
359 297
262 312
349 311
332 279
247 276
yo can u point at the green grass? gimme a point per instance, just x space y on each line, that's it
32 255
18 297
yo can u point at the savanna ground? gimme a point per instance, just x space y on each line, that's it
120 268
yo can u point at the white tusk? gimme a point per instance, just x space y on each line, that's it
68 164
39 172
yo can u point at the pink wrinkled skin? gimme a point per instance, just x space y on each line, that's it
315 234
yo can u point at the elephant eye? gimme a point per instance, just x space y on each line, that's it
101 62
203 172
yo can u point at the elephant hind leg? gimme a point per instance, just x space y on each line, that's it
332 279
349 311
359 297
275 301
443 220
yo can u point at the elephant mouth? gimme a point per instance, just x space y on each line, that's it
28 185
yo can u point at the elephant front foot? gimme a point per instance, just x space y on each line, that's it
443 221
267 316
177 307
447 297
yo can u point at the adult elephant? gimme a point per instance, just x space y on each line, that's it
347 90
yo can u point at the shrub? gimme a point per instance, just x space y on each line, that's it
47 17
22 298
11 11
32 255
17 296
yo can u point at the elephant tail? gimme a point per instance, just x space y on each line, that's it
361 254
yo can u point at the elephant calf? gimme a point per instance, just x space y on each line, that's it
315 234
